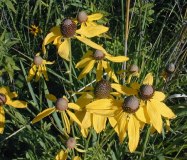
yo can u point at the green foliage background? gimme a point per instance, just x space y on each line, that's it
157 37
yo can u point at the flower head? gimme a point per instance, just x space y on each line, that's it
60 36
102 60
38 68
6 98
35 30
63 106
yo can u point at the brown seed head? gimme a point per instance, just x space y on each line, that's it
133 68
61 104
82 17
99 55
71 143
170 68
2 99
38 60
68 28
130 104
146 92
102 89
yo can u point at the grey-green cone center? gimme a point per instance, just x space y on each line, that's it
2 99
133 68
99 55
170 68
102 89
130 104
71 143
68 28
38 60
146 92
61 104
82 17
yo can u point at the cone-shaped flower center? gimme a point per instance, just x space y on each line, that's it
99 55
68 28
130 104
102 89
71 143
146 92
38 60
82 17
170 68
133 68
61 104
2 99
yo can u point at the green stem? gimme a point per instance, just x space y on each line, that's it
145 143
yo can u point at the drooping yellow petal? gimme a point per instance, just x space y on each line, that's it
44 72
61 155
148 79
73 117
113 123
99 71
43 114
92 31
133 133
87 69
74 106
6 91
109 71
99 123
90 43
122 125
167 125
38 74
51 97
159 96
2 119
77 157
95 17
86 123
142 114
84 132
17 103
56 31
123 89
83 100
117 59
64 49
135 85
82 63
163 109
80 150
66 121
32 73
154 115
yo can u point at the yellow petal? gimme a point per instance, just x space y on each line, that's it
92 31
17 103
74 106
56 31
43 114
95 17
2 119
32 73
66 121
113 123
38 74
99 123
6 91
167 125
73 117
87 69
142 114
163 109
133 133
117 59
109 71
44 72
51 97
123 89
135 85
159 96
77 157
122 125
90 43
99 71
86 123
84 132
154 115
83 100
61 155
83 62
148 79
64 50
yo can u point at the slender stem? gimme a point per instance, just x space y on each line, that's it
145 142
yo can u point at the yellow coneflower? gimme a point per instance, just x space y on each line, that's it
35 30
